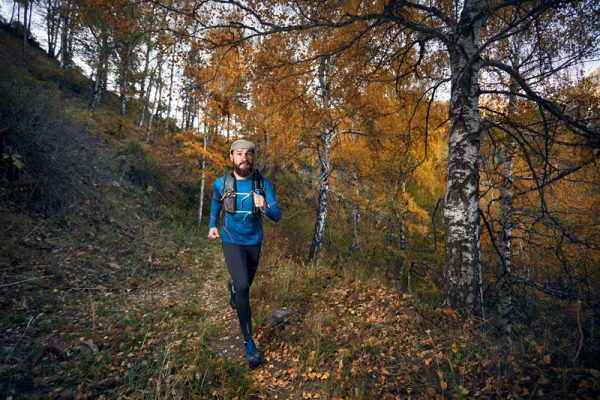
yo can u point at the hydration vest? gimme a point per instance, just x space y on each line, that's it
230 191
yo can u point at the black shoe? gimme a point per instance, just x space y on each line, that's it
253 355
231 294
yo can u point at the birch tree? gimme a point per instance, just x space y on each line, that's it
326 138
505 301
156 104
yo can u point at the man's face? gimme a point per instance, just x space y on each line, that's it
242 161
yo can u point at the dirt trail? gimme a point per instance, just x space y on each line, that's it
230 344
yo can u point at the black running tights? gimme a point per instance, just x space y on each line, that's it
242 263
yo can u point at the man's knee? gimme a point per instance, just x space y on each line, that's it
242 288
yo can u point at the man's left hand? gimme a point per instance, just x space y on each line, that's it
259 201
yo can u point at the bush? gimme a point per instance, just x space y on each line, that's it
50 155
16 29
138 166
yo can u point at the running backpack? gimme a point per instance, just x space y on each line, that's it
230 191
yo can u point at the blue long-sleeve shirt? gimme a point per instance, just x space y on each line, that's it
243 227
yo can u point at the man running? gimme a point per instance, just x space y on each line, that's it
246 196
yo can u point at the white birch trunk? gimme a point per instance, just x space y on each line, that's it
168 117
158 111
203 168
143 87
146 101
462 274
154 108
101 72
505 311
149 127
324 159
124 83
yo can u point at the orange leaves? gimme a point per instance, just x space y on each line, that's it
310 374
454 348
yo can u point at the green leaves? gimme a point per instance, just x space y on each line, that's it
16 159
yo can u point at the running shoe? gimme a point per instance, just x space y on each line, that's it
253 354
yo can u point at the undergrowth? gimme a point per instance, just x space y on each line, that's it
360 335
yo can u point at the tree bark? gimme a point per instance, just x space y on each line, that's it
146 99
462 274
325 67
101 72
30 16
505 311
65 56
142 97
12 14
25 31
203 179
168 117
52 26
124 79
154 113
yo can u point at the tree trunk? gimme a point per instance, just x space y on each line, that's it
124 80
101 72
158 115
203 168
168 117
65 56
324 159
142 97
146 99
30 16
153 114
462 274
151 119
353 211
12 14
71 37
52 26
354 222
505 311
25 25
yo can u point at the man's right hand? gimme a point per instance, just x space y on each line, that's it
213 233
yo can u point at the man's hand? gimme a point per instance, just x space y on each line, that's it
213 233
259 201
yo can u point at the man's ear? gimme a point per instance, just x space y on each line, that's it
231 156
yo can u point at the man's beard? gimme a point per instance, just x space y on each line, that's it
244 171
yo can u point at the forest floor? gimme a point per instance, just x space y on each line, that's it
171 334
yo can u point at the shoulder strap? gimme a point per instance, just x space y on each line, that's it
229 184
229 193
257 187
257 183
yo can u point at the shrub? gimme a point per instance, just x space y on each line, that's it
50 155
137 166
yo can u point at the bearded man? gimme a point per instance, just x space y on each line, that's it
245 196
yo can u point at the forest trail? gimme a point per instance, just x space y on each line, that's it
270 375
